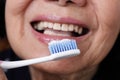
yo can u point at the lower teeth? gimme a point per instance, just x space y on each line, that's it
62 33
56 33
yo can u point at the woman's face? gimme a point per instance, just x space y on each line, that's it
94 25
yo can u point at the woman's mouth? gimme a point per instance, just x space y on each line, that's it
59 29
47 30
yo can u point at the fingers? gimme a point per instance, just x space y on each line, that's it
2 75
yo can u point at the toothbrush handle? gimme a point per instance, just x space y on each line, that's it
16 64
57 56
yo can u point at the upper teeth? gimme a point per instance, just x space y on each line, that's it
58 26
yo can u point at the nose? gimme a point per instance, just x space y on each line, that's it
65 2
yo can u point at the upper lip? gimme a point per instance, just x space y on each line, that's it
56 19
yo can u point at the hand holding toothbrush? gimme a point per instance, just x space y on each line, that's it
2 75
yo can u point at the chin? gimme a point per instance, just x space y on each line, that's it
64 66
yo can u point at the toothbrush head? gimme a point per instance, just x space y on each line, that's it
64 48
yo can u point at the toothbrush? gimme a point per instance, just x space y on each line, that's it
58 49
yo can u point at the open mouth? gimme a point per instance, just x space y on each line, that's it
59 29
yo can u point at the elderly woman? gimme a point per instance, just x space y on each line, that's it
94 24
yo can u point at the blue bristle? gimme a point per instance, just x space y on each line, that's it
62 45
74 45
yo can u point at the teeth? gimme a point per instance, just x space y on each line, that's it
64 27
71 27
40 26
57 26
52 32
76 28
80 30
50 25
45 24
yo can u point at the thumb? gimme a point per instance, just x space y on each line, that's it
2 75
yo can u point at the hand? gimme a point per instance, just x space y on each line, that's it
3 46
2 75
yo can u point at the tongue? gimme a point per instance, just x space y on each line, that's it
56 32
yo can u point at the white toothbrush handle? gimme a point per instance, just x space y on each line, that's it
57 56
15 64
